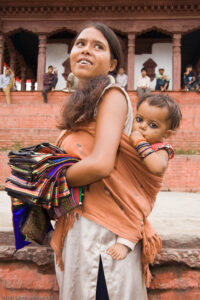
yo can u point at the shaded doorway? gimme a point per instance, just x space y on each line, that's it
190 52
58 48
21 54
153 49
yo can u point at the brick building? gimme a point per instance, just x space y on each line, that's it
36 33
153 32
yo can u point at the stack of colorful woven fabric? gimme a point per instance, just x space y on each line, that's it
39 190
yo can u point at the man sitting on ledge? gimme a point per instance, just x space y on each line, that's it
162 81
49 81
7 82
143 84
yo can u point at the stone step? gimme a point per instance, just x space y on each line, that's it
176 269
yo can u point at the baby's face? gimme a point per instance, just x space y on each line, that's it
151 121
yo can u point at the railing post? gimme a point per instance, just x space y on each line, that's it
131 60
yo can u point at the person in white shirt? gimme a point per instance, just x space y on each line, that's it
72 82
122 78
7 82
143 84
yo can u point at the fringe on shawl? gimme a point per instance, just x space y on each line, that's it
151 243
151 246
64 224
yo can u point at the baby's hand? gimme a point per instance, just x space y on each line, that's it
135 135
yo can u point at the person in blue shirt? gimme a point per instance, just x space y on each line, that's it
189 79
7 82
198 82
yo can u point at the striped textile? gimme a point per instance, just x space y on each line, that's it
38 179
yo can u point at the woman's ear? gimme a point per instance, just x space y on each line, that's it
169 133
113 64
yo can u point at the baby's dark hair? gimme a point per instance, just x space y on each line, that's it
161 100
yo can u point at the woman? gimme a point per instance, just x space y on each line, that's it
95 54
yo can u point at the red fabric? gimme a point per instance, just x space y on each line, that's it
165 146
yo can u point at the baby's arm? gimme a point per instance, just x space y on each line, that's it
120 249
156 162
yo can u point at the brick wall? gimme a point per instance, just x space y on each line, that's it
29 121
30 275
27 282
182 175
16 282
188 135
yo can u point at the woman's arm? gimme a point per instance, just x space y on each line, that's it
111 117
156 162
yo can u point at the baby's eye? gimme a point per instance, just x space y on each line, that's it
153 125
138 119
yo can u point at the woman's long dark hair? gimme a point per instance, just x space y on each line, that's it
79 109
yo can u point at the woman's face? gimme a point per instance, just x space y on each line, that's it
90 55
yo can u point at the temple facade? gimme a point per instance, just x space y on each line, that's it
153 33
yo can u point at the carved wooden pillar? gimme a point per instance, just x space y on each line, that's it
32 84
131 60
1 52
23 79
12 61
41 60
176 73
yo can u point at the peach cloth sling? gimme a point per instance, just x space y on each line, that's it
121 202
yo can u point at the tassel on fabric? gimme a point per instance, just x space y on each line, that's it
64 224
151 246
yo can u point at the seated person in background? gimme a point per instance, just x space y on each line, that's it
198 83
162 81
72 82
49 81
143 84
7 82
189 79
122 78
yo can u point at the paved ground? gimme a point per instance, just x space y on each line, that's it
175 215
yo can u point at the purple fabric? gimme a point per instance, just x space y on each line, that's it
48 79
19 216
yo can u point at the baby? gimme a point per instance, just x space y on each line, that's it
156 119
